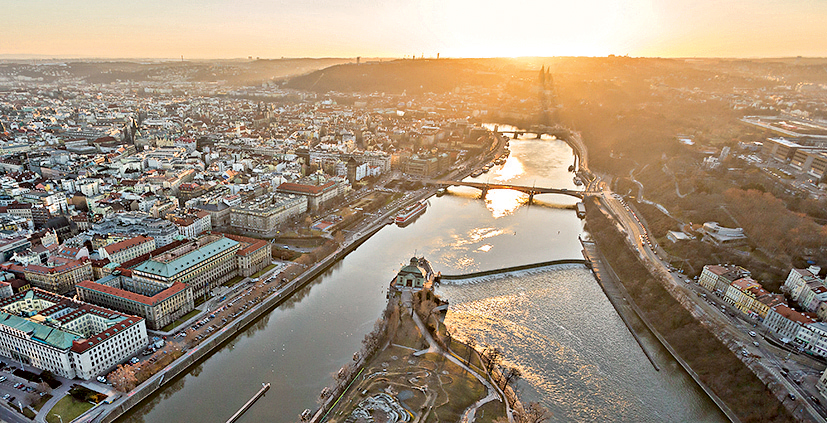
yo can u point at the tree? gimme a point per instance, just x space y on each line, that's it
533 413
512 375
472 344
123 378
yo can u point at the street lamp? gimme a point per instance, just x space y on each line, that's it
58 416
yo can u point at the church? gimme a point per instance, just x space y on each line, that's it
414 276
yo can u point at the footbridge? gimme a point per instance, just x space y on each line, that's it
531 191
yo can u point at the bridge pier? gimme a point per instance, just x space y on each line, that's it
514 136
483 193
530 198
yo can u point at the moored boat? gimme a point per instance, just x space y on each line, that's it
405 216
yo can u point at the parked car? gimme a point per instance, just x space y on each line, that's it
752 333
101 379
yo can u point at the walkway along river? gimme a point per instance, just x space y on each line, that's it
578 357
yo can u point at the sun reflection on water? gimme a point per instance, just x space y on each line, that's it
511 169
503 202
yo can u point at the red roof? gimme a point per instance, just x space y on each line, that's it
304 189
143 299
250 244
127 243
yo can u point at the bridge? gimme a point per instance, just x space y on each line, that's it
572 138
531 191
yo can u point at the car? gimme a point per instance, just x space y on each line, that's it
18 385
133 360
792 396
752 333
101 379
755 343
815 400
5 397
2 378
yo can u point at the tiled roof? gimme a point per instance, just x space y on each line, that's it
127 243
132 296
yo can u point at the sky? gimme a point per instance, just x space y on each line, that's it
207 29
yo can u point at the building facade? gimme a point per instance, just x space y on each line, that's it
202 264
127 249
66 337
159 307
265 215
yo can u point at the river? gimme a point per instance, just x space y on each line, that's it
577 356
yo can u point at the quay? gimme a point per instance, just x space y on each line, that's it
591 252
597 265
264 388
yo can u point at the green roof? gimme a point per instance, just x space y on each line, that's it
186 261
39 332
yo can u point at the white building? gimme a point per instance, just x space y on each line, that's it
128 249
797 280
69 338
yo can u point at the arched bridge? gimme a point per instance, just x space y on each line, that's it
531 191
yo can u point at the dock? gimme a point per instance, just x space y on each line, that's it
248 404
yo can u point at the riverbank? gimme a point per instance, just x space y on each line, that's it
203 350
419 371
702 354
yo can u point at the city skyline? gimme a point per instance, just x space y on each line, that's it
217 29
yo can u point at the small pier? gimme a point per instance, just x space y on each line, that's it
248 404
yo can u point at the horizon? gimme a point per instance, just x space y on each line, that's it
216 29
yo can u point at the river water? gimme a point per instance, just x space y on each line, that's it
576 355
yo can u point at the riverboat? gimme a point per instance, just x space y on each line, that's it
476 173
440 192
405 216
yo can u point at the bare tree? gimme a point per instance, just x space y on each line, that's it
534 413
512 375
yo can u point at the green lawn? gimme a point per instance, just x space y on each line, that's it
37 405
234 281
183 319
263 271
68 409
200 300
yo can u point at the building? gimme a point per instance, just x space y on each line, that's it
812 338
319 191
717 278
66 337
741 294
785 322
192 223
253 255
137 223
159 306
415 276
719 235
797 280
265 215
127 249
59 279
202 264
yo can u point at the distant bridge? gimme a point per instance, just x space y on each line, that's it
570 137
531 191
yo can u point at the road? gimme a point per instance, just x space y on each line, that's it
728 327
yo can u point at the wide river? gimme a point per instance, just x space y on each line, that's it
576 355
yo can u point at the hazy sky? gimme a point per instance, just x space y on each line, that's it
396 28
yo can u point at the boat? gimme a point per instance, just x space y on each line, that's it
440 192
486 168
476 173
405 216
